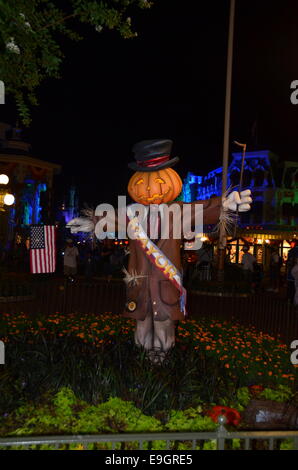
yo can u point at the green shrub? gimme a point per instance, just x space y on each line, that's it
243 397
189 420
65 414
287 444
281 394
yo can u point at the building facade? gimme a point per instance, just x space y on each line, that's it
30 181
273 219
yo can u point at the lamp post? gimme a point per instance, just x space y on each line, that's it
222 233
6 198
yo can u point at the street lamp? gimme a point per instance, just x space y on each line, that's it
6 199
222 232
4 179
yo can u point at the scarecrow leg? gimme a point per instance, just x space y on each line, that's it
144 333
163 340
164 335
156 337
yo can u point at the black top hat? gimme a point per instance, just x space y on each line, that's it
152 155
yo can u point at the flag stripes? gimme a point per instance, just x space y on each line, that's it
42 249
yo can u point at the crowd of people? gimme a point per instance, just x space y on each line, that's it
106 259
93 259
202 267
292 274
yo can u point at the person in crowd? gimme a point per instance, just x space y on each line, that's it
275 265
98 260
292 255
189 260
71 255
116 260
257 277
19 256
248 263
294 273
89 262
106 252
205 260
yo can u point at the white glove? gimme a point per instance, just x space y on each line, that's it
80 224
241 200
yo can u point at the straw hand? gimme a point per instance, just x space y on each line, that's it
238 201
80 224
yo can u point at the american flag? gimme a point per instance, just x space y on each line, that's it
42 249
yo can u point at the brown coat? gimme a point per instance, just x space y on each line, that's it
154 293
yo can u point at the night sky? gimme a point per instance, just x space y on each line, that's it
169 82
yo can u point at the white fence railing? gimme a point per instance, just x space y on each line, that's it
220 440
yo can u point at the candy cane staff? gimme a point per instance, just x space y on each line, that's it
154 290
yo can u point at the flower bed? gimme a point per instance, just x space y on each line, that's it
251 355
97 358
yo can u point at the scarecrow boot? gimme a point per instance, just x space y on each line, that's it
156 337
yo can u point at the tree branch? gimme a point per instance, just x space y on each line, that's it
57 22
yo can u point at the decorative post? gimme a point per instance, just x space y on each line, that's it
221 432
222 233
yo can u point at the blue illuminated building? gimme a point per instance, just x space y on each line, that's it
274 187
69 208
30 181
273 218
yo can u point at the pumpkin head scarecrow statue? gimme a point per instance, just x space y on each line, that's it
155 294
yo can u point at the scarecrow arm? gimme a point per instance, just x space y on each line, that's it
220 211
217 208
88 223
81 224
211 211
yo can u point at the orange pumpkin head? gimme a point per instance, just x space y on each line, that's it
155 187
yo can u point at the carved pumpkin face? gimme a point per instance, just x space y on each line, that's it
155 187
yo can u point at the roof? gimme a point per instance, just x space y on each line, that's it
27 160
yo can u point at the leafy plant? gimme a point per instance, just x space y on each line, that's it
64 413
287 444
190 420
31 33
281 394
243 397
